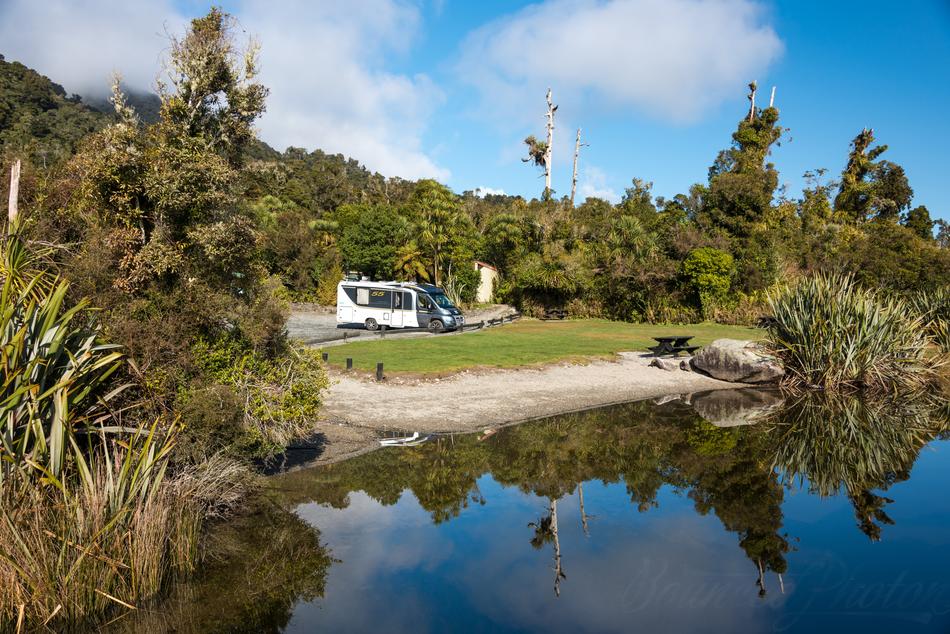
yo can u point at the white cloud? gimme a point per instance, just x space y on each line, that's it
673 59
80 45
325 65
594 185
481 192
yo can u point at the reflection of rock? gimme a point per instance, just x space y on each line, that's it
731 408
742 361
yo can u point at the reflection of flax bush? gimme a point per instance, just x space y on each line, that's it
830 332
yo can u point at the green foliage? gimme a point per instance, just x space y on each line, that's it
251 404
708 272
832 333
918 220
368 239
212 96
869 188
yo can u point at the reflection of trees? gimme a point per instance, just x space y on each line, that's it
257 568
643 446
842 442
726 472
546 530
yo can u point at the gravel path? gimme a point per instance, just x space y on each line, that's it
472 401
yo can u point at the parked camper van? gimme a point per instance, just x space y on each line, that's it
396 305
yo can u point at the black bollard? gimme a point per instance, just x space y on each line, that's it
379 371
349 363
326 355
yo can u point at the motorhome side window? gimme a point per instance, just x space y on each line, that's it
380 299
362 296
425 303
407 301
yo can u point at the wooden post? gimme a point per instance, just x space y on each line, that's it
577 151
548 149
751 97
325 355
349 363
379 371
14 193
772 98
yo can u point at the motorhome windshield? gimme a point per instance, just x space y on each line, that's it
441 300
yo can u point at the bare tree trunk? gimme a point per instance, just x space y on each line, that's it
772 98
547 150
577 151
580 493
752 87
14 193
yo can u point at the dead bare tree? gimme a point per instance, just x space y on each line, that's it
547 157
751 98
14 193
539 152
772 98
577 152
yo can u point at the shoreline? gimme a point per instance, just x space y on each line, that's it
356 410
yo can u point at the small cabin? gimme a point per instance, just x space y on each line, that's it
487 277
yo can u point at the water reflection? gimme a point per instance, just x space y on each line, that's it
684 524
838 443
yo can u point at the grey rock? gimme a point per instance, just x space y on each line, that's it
738 361
731 408
665 364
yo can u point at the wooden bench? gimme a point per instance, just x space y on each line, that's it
554 313
672 346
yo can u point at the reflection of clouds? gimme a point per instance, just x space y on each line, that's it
673 571
669 569
372 543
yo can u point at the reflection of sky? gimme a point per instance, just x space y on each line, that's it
668 569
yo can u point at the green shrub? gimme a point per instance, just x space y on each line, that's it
277 399
708 273
830 332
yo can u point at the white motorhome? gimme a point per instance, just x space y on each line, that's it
396 305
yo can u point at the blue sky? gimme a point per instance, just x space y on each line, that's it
449 88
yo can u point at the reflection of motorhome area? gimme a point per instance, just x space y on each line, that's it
395 305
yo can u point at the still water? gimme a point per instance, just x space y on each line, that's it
721 512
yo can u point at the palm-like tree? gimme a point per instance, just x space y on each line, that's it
411 262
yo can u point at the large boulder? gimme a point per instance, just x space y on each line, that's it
738 361
731 408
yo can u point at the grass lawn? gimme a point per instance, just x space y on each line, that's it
524 342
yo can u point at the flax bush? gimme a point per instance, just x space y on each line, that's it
832 333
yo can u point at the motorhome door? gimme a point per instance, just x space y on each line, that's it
398 319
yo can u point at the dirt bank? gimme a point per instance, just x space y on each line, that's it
473 401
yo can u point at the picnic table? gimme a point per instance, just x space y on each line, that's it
672 345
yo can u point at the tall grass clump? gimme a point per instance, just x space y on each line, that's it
832 333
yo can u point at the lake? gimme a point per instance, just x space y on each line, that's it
728 511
